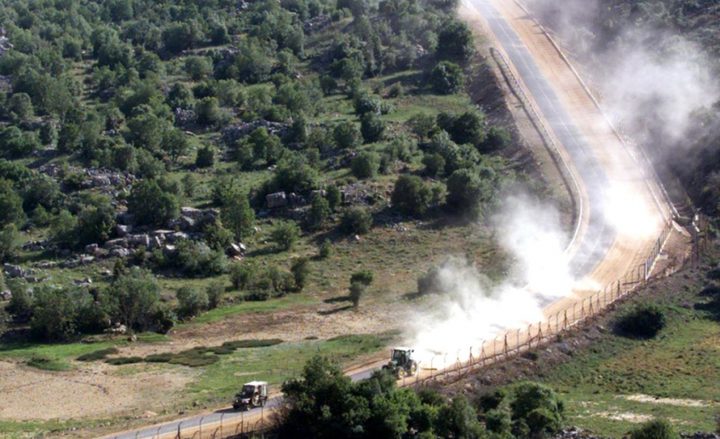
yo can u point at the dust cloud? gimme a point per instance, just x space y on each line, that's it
652 82
470 309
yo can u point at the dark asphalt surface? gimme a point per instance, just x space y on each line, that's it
594 244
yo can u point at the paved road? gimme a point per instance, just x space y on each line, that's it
593 244
228 417
599 236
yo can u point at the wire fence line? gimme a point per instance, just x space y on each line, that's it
514 342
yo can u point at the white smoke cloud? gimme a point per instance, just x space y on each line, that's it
469 309
651 81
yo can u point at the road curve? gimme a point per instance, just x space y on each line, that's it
583 140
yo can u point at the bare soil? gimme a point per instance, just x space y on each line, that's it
95 391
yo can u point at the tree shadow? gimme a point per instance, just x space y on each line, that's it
335 310
337 299
412 296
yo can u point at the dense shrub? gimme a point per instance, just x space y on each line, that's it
356 220
643 321
285 235
656 429
446 78
365 165
191 301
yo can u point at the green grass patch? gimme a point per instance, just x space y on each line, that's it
48 363
124 360
617 381
98 355
285 302
275 364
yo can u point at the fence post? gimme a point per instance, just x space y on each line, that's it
200 429
517 341
505 348
179 429
482 352
221 424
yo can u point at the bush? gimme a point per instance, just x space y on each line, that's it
197 259
656 429
205 157
539 407
357 289
124 360
643 321
152 205
191 301
364 277
411 195
97 355
365 165
346 135
371 127
356 220
319 212
285 235
446 78
325 249
215 292
242 275
434 164
300 270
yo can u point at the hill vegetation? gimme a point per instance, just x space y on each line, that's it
200 139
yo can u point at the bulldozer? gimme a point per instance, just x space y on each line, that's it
401 363
253 394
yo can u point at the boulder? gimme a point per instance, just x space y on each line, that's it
119 242
5 295
15 271
187 223
177 236
122 230
142 239
236 250
278 199
119 252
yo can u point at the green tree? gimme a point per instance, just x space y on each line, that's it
191 301
364 277
365 165
346 135
643 321
422 125
285 235
459 420
11 210
300 270
238 215
208 111
434 164
446 78
205 157
242 275
215 292
198 67
20 107
146 130
372 127
21 302
356 292
539 407
63 229
411 195
54 314
319 212
467 191
151 205
9 242
334 197
356 220
133 298
176 144
95 222
455 42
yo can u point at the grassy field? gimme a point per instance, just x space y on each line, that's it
611 383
